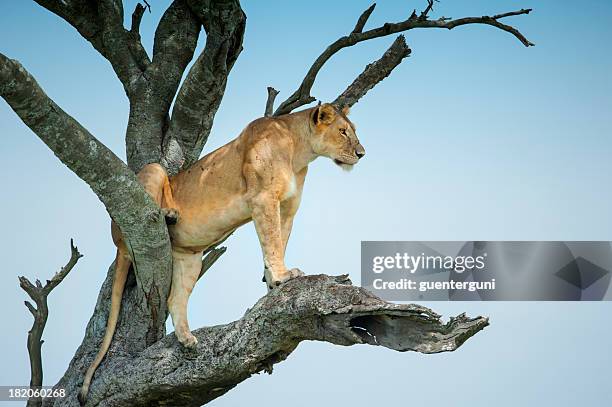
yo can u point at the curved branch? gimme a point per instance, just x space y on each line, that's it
302 95
138 217
317 307
200 94
101 23
175 42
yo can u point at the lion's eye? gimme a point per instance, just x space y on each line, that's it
343 132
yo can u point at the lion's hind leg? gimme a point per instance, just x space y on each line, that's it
169 207
186 269
154 179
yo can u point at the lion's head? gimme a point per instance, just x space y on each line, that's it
334 136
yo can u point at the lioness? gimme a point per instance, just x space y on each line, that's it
258 176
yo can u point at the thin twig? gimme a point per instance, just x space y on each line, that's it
425 12
39 293
212 254
211 257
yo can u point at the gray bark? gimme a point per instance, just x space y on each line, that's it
200 95
143 366
374 73
317 308
175 42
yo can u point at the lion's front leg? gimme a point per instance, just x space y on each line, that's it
267 218
289 207
288 210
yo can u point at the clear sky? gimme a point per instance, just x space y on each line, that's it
474 137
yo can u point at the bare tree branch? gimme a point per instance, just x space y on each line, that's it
152 86
493 21
137 18
374 73
39 294
363 19
210 258
425 12
200 95
175 42
272 93
302 95
138 217
101 23
318 307
176 38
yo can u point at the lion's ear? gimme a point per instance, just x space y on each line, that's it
325 114
346 110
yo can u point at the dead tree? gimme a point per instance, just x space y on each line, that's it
145 366
39 293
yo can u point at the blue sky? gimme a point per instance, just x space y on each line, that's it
474 137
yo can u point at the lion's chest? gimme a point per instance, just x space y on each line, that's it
290 188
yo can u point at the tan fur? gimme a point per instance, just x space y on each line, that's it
258 176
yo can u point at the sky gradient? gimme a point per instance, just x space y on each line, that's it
473 137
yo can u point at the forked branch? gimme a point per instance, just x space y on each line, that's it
201 92
101 23
39 293
302 95
126 201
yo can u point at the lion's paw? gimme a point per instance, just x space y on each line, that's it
273 283
187 340
295 272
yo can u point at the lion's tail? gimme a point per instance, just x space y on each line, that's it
122 267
